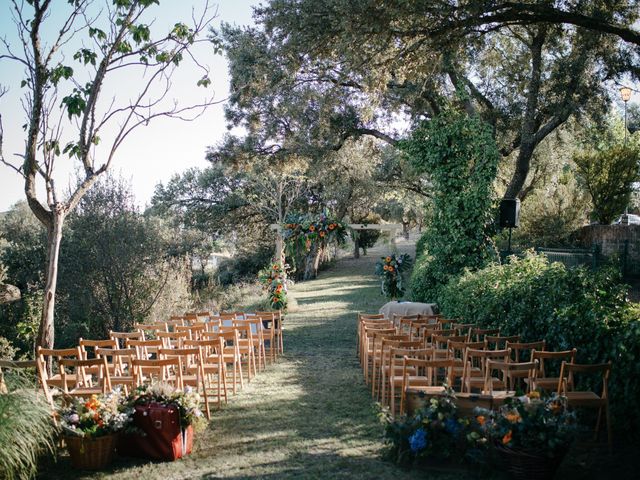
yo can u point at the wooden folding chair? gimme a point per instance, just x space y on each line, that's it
364 317
191 370
246 347
158 370
588 398
367 327
430 377
257 333
463 328
544 378
392 377
88 350
55 383
373 357
278 325
510 371
119 363
456 350
80 383
475 364
381 356
440 344
231 353
213 365
150 330
523 350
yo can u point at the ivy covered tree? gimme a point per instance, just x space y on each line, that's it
460 156
71 58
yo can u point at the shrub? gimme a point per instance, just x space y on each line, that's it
459 154
26 429
566 307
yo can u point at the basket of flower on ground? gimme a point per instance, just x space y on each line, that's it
90 428
435 436
392 269
531 434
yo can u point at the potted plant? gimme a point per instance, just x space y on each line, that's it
392 268
531 434
90 428
163 422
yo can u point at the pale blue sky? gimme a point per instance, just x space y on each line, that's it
151 154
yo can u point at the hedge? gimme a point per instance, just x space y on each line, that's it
567 308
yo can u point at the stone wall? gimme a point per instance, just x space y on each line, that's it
612 240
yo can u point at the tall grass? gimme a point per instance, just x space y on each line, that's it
26 428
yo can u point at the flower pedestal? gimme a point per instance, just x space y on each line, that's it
529 464
88 453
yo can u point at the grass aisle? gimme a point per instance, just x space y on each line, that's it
308 416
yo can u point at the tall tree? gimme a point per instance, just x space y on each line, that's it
524 72
106 40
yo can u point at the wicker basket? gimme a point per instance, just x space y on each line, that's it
529 464
91 453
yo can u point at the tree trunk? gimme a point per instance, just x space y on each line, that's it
46 332
309 263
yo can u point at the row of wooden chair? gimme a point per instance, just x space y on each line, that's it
197 355
421 354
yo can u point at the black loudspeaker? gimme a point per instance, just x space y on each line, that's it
509 213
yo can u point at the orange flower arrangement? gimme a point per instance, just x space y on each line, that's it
312 228
481 419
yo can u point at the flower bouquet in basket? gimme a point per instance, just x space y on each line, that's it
531 434
392 268
164 419
90 428
436 435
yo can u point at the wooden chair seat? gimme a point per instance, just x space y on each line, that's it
584 399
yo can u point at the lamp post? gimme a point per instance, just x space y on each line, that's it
625 93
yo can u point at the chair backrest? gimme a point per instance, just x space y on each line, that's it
497 341
446 323
396 355
119 357
213 346
122 337
403 322
158 370
463 328
189 356
80 378
173 339
56 355
145 348
478 358
440 342
478 334
150 328
457 348
195 330
568 371
517 349
543 357
90 346
431 369
505 368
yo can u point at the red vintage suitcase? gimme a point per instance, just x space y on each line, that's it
163 438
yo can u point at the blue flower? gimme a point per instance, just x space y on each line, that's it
418 441
452 426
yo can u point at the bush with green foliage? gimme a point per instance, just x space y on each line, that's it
567 308
459 154
26 428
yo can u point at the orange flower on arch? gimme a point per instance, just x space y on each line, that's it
388 259
390 268
481 420
332 226
312 228
322 234
386 267
507 438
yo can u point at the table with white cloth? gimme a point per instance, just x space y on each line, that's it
407 308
